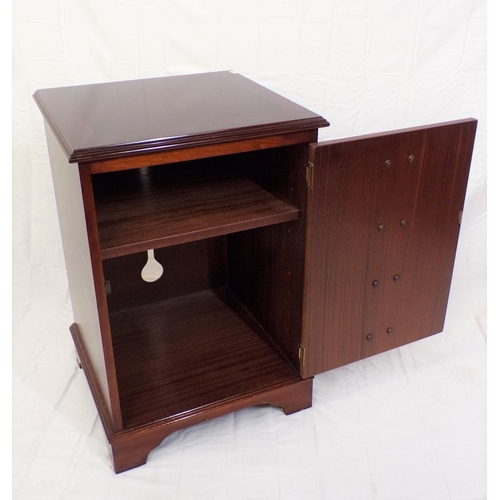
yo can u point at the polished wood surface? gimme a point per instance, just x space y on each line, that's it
139 212
180 165
201 152
188 268
271 247
73 192
189 352
357 240
266 266
130 448
444 172
108 120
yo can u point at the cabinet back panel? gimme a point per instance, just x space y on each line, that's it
187 269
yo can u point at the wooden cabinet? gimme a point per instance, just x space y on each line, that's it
276 257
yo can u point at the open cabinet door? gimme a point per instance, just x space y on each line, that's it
384 219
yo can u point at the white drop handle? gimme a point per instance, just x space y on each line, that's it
153 270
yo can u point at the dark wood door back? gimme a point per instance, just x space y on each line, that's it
384 227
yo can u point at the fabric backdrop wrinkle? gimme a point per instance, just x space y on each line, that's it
407 424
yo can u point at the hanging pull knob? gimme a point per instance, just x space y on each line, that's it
153 270
376 283
397 278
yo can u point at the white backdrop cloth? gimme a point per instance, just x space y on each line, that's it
409 424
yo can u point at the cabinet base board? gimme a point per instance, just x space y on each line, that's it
130 448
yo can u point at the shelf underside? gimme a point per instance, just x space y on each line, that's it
187 353
151 215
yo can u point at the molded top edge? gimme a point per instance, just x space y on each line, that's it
107 120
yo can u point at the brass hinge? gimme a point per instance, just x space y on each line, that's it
460 217
302 355
309 174
107 287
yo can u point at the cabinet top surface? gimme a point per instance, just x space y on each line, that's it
107 120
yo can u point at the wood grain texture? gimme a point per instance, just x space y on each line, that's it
108 120
136 213
130 448
179 355
354 193
158 360
100 292
203 151
188 268
266 265
73 193
444 172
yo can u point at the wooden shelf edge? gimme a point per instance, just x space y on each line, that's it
177 239
127 236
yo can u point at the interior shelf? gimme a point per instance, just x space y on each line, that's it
134 217
189 352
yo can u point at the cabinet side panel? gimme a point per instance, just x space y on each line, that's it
266 266
70 207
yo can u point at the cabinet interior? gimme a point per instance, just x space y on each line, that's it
224 319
